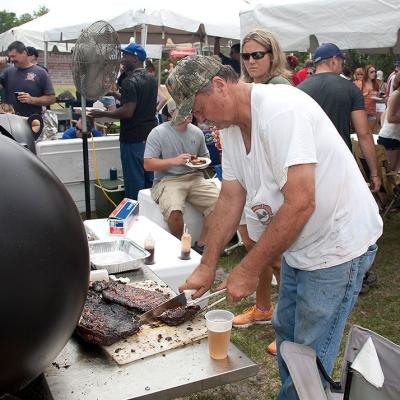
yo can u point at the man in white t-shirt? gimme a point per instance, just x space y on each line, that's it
309 202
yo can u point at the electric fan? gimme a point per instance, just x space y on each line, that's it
95 63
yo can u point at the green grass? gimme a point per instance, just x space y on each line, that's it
377 310
60 89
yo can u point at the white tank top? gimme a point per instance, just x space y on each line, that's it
390 130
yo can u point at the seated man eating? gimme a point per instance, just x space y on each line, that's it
168 149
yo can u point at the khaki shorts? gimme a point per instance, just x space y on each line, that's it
171 193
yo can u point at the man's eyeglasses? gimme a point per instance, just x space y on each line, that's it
255 55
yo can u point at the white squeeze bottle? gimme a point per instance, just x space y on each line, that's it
186 244
149 245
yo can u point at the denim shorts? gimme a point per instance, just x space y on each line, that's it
388 143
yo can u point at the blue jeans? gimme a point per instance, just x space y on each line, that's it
313 307
135 177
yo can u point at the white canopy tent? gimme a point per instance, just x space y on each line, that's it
158 20
371 25
30 33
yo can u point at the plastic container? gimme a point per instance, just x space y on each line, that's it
149 246
219 326
115 190
186 244
116 255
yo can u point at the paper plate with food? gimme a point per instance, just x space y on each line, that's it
198 162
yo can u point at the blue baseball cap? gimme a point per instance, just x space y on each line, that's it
397 62
135 50
325 51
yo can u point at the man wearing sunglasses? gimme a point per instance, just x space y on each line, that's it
342 102
284 158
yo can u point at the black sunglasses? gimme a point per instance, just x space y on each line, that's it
256 55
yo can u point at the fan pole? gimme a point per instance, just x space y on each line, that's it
85 157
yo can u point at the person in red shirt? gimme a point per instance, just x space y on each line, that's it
306 71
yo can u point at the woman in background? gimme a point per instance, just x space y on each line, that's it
358 74
389 135
262 61
370 90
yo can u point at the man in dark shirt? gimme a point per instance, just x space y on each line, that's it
138 117
34 56
342 101
27 86
233 60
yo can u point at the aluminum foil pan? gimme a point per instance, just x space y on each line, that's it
116 255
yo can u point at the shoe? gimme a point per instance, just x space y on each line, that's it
272 348
252 316
197 248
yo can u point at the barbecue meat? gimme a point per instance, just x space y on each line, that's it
132 297
103 323
178 315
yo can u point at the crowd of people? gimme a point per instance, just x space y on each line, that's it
290 187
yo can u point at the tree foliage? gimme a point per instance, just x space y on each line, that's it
9 19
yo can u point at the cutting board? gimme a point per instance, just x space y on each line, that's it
158 337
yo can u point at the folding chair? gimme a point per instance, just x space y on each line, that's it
390 179
306 370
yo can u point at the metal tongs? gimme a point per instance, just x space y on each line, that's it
179 301
201 299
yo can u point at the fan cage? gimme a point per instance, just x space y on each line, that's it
96 60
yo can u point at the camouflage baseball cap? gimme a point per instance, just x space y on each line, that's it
188 77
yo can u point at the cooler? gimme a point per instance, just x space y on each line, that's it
114 189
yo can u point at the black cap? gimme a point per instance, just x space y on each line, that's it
32 51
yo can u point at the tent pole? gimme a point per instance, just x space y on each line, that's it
46 54
144 35
159 69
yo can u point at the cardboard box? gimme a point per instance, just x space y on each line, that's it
121 218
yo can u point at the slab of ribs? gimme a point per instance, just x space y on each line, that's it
111 309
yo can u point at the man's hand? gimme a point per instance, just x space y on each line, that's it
24 98
374 183
201 280
96 114
241 282
182 159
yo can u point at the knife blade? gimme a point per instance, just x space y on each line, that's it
177 301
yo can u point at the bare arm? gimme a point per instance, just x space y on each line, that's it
360 123
123 112
226 217
159 164
162 100
393 108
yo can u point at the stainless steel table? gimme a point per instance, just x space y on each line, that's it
83 371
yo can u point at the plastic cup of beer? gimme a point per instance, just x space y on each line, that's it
219 326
